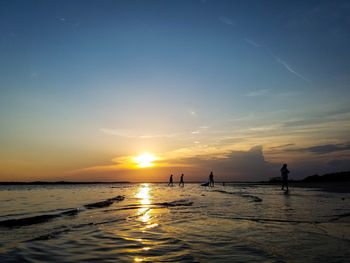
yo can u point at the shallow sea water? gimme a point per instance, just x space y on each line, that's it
157 223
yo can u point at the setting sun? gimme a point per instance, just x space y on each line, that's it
144 160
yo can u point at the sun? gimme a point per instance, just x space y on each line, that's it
144 160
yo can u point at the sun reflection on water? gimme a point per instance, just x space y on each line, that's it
143 193
144 196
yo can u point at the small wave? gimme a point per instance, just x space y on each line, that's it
36 219
129 207
55 234
7 216
71 212
49 235
337 217
105 203
176 203
252 197
276 220
47 217
154 205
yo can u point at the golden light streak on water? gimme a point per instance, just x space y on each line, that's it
151 226
143 194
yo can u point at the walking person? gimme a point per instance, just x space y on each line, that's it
284 174
182 180
171 181
211 179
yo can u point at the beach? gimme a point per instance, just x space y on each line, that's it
157 223
331 187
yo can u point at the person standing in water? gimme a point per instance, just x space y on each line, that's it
170 180
211 179
284 174
182 180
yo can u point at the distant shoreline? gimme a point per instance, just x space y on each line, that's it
326 179
333 187
67 182
59 182
333 182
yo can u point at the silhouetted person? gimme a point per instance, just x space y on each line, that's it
182 180
284 174
171 180
211 179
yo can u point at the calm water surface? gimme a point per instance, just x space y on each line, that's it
157 223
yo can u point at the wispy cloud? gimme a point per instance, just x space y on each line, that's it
200 130
135 134
267 92
251 42
323 149
257 93
289 94
282 146
264 128
250 116
327 117
290 69
34 75
192 113
227 21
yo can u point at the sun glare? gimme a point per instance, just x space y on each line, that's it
144 160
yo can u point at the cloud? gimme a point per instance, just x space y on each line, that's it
289 94
135 134
251 42
234 165
192 113
325 115
230 166
244 165
323 149
200 130
282 146
250 116
227 21
295 123
34 75
265 128
267 92
258 93
290 69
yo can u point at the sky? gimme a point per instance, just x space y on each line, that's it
237 87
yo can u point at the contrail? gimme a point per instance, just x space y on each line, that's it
290 69
253 43
226 21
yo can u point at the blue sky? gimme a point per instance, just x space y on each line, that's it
86 84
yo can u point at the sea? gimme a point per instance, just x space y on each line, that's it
154 222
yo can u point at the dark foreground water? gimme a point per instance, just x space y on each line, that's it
157 223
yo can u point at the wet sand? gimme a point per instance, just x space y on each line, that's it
331 187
